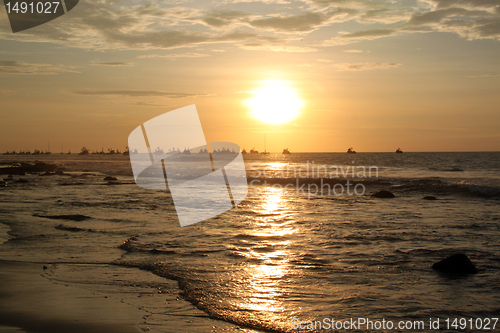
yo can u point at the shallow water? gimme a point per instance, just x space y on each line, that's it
282 253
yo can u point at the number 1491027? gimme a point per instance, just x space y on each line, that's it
32 7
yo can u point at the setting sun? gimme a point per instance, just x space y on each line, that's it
275 102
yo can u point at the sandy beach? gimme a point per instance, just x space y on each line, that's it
33 299
31 302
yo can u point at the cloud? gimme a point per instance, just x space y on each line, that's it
358 36
136 93
126 25
147 104
23 68
469 20
175 55
277 48
464 3
6 92
364 66
176 39
111 24
294 23
222 18
484 75
113 64
352 51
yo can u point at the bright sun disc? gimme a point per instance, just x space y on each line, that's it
275 103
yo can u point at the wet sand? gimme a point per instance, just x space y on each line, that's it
32 303
38 300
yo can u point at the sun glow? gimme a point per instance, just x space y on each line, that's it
275 102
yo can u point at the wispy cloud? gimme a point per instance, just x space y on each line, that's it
292 23
136 93
485 75
175 55
147 104
364 66
118 64
358 36
13 67
277 48
5 92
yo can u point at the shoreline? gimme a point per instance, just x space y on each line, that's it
38 300
32 303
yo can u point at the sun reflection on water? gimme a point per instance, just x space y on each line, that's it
264 284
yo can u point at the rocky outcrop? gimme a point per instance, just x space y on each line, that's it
25 168
456 264
383 195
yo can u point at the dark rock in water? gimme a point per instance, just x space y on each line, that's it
76 217
24 168
66 228
108 178
383 194
430 197
456 264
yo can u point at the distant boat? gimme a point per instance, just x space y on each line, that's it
84 151
351 151
399 151
253 151
158 151
286 151
265 152
243 151
186 151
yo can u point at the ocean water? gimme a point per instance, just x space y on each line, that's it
285 253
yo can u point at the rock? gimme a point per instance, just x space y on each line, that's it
456 264
66 228
429 197
108 178
24 168
383 194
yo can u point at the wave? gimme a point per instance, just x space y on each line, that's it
484 191
433 185
70 217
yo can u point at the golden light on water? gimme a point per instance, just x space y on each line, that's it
265 280
275 102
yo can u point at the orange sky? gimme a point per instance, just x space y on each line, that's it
420 75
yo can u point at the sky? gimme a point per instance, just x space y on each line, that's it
423 75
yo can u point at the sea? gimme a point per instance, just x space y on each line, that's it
309 249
